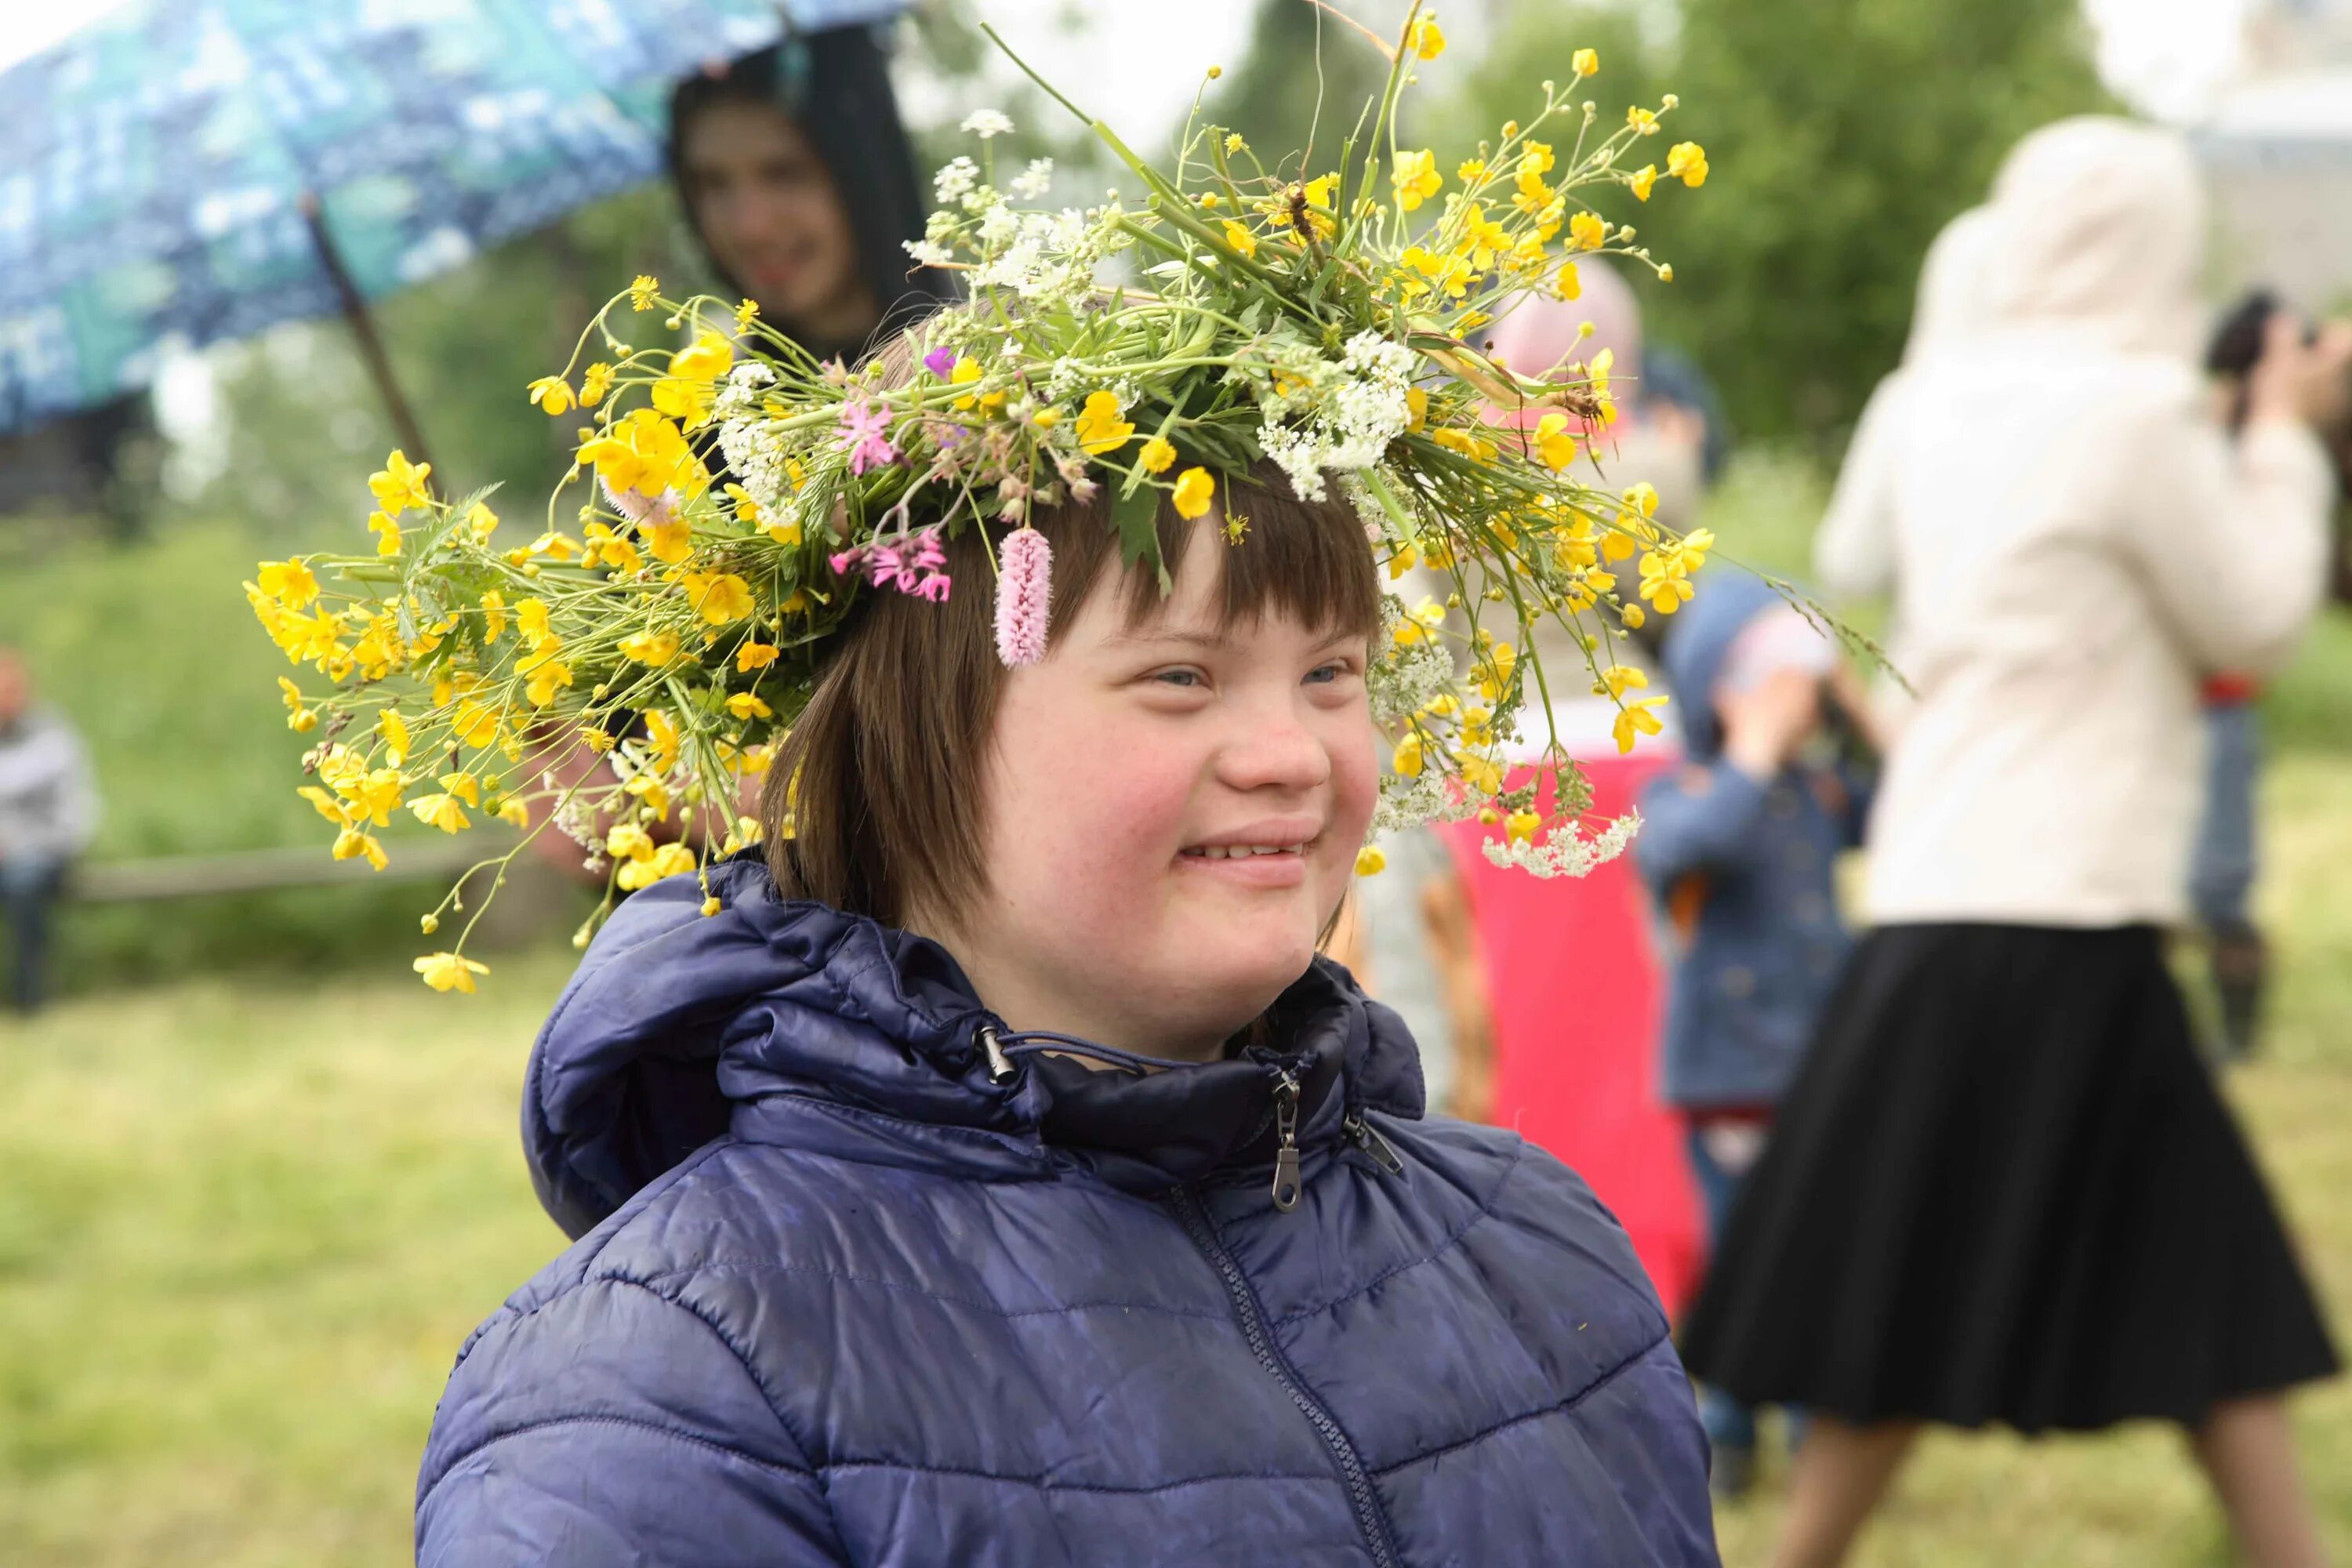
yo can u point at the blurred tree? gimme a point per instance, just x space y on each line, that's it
1841 135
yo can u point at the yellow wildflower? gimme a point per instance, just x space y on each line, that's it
449 970
1520 825
1425 39
1157 455
552 394
1408 760
1553 443
400 484
1586 231
754 655
1481 237
747 312
513 813
1370 862
1618 680
670 539
662 730
1233 142
1643 178
530 616
720 596
1415 178
474 724
543 672
494 616
352 844
1416 407
642 289
1100 429
1195 490
387 533
654 647
1585 62
1636 718
441 811
1641 119
606 548
394 730
747 706
1470 171
1483 775
671 860
1567 285
1664 588
464 787
595 382
1238 236
289 582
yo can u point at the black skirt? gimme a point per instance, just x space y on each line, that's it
2004 1189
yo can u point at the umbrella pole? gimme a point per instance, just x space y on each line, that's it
362 325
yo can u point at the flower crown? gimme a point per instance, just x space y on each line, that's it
733 499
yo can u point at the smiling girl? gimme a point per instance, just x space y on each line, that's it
1000 1178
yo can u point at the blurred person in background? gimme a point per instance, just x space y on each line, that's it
795 174
1740 846
2003 1188
48 810
1854 547
2222 870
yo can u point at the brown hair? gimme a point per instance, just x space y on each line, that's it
882 774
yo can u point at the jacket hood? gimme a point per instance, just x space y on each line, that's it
1951 306
784 1021
2101 225
1696 646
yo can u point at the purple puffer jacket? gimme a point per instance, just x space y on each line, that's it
847 1295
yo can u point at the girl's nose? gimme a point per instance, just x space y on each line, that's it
1273 748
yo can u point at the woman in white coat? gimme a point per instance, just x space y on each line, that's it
2004 1190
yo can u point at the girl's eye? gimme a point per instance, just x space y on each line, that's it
1179 678
1324 674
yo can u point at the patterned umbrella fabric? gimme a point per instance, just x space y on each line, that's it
153 168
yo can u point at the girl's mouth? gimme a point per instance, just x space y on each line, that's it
1242 851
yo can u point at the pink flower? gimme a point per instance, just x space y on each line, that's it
1025 598
866 437
846 562
939 361
933 587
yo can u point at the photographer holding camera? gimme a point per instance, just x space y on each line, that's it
2222 868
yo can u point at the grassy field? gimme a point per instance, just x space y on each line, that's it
249 1224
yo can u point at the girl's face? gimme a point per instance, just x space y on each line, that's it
1174 813
767 206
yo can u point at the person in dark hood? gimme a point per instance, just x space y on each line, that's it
797 177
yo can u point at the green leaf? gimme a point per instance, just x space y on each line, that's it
1135 516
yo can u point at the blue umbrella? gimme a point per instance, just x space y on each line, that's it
199 170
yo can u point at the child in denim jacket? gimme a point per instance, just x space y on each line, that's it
1739 845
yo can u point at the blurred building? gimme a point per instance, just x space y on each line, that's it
2276 140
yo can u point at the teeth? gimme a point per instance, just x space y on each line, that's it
1243 851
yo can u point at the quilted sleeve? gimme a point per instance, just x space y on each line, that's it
614 1426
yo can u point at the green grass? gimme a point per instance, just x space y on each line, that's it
248 1226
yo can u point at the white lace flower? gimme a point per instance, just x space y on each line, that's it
955 178
1034 181
987 122
926 254
1567 850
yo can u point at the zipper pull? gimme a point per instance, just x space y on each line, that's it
1361 1133
1285 1130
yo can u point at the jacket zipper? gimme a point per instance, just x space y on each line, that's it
1359 1132
1370 1520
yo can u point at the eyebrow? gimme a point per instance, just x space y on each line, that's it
1201 639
